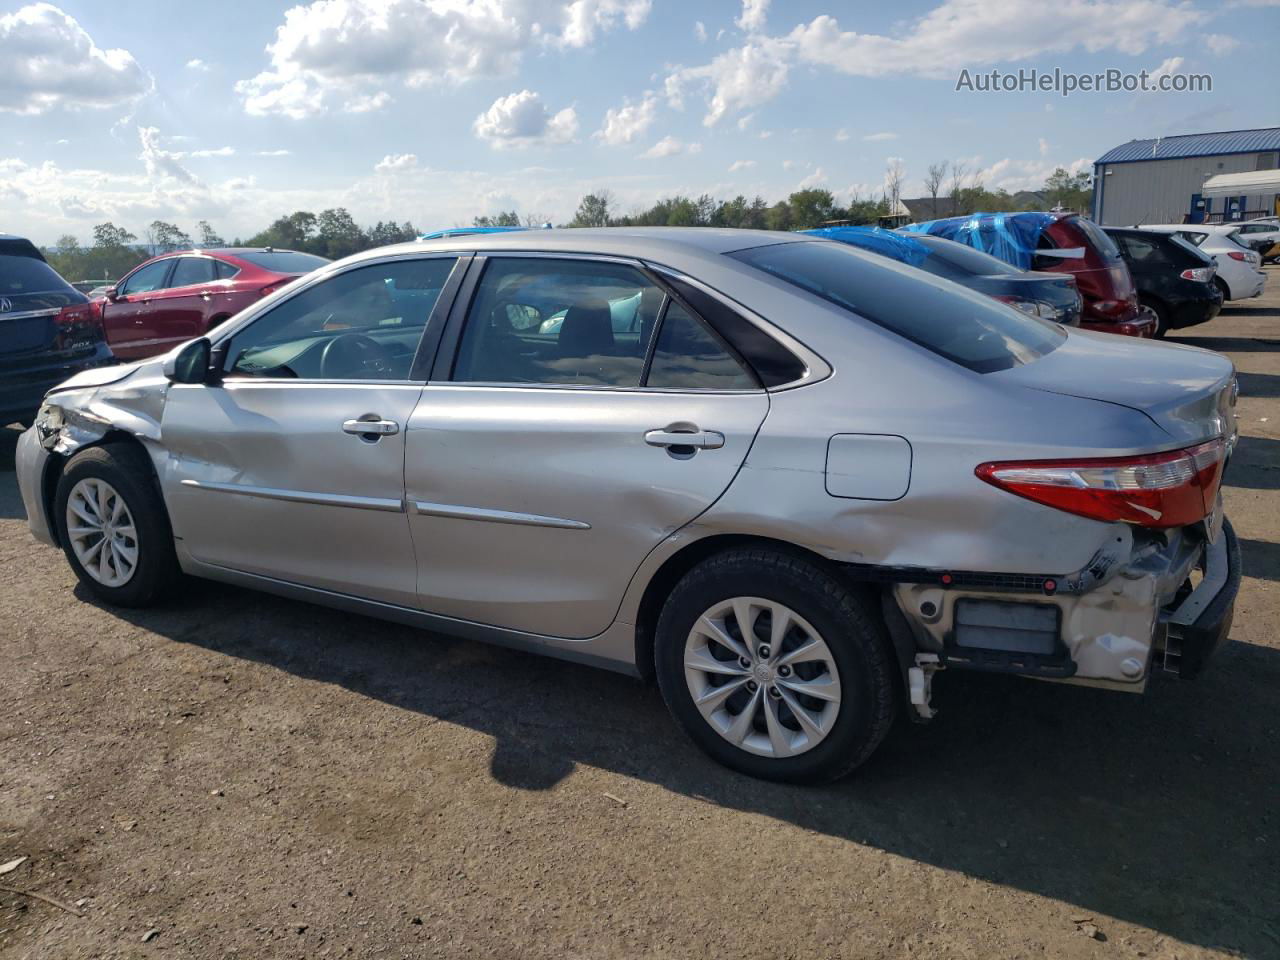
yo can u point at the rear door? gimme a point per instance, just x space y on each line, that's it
128 319
577 417
181 310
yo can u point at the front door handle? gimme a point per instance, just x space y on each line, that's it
373 427
698 439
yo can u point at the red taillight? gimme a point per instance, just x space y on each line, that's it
1237 256
78 325
1157 490
1202 274
269 289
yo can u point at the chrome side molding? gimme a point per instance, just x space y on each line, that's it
496 516
300 496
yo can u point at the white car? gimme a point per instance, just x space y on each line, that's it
1261 234
1240 275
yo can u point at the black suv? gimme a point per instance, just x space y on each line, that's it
48 330
1173 277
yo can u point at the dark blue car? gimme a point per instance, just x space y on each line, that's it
48 330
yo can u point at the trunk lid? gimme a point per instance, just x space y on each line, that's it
27 321
1186 391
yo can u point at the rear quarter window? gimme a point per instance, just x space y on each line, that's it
283 261
965 327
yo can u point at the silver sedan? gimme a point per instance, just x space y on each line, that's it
790 480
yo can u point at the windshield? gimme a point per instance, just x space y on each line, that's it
952 321
283 261
956 261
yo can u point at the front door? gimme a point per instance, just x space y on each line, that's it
180 311
293 466
565 441
127 320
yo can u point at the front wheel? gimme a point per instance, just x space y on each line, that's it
113 526
775 667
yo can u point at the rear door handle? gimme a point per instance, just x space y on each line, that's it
381 428
700 440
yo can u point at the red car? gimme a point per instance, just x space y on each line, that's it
1110 297
177 296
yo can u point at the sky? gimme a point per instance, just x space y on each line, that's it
435 111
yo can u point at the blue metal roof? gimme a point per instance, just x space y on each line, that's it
1194 145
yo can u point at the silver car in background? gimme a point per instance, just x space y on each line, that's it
789 479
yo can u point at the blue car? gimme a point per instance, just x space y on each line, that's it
1051 296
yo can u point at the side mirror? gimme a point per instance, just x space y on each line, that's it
111 293
190 364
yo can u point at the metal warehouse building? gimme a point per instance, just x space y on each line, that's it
1197 178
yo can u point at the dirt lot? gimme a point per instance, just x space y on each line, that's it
247 776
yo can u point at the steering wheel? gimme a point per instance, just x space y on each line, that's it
351 355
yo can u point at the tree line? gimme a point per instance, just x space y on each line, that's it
115 251
333 233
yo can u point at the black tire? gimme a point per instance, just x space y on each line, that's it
1162 315
127 469
846 619
1226 291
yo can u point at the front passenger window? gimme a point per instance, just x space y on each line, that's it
362 324
148 279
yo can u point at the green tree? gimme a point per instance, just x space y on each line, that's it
593 210
1068 190
163 237
811 208
779 216
506 218
337 234
206 236
294 232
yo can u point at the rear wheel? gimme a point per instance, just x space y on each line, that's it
113 526
1226 291
775 667
1162 315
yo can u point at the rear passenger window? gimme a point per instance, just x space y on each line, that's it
192 270
689 356
1142 251
536 320
224 271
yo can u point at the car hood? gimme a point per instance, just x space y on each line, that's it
1185 390
97 377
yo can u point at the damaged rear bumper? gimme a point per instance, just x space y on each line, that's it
1132 611
1195 629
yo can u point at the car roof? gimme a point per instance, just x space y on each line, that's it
642 242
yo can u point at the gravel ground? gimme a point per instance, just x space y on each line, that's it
247 776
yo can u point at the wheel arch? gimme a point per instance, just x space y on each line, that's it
664 579
58 463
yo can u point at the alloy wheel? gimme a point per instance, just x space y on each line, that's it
762 677
102 533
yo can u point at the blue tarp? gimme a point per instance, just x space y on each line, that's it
877 240
1011 237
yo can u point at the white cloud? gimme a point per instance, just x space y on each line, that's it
753 15
523 120
340 54
273 153
738 79
668 147
880 137
700 31
815 179
969 33
1220 43
396 163
745 121
366 102
50 61
219 152
741 165
1167 67
162 164
1011 175
623 124
198 64
841 135
1044 147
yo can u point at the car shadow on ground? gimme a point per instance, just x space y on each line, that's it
1227 344
1115 804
